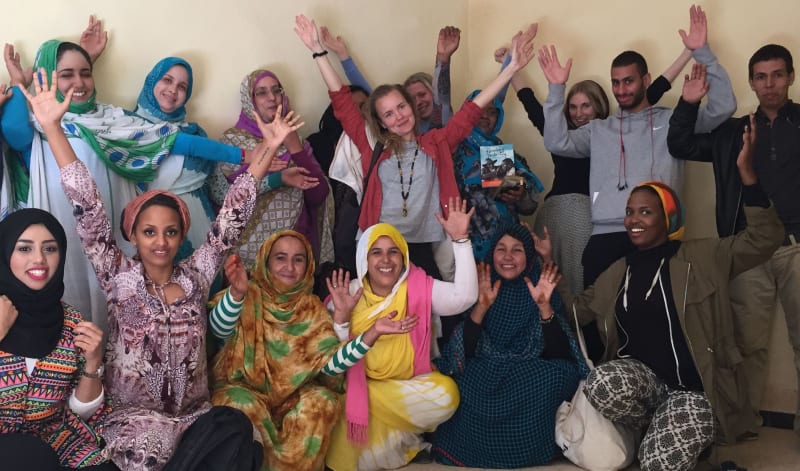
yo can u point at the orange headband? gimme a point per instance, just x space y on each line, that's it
134 207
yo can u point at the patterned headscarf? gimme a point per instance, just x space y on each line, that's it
134 207
284 336
674 213
40 315
247 117
127 144
511 328
148 104
47 57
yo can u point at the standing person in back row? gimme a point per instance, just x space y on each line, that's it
754 293
628 147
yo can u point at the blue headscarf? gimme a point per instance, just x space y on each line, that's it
147 105
478 138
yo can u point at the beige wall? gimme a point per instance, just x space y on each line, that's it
226 40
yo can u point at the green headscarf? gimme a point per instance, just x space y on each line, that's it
47 57
129 145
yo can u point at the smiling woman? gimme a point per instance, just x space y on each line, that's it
414 175
295 195
119 149
45 345
156 356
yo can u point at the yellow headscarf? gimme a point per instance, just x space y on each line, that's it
392 356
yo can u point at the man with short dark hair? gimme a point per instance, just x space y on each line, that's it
754 293
630 147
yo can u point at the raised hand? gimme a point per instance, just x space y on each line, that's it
487 292
553 71
698 29
306 30
457 223
237 276
447 44
335 44
88 338
500 54
298 177
542 291
94 38
343 302
744 161
45 106
8 315
522 50
16 73
276 130
544 245
695 86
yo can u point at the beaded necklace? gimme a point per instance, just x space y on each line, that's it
406 192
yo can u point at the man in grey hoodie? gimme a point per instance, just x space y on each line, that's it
628 147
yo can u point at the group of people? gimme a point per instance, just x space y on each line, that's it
444 327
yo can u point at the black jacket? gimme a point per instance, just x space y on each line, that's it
720 147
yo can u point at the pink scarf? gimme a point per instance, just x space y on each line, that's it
357 398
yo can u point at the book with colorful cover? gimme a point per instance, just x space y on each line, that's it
497 163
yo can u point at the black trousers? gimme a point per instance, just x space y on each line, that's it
25 452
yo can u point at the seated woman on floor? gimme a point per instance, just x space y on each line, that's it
670 359
282 361
52 402
156 357
394 394
514 360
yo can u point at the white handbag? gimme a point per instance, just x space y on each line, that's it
588 439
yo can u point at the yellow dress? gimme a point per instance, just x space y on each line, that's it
401 405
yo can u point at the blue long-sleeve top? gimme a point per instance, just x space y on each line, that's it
354 75
18 132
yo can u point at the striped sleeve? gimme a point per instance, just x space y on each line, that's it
347 356
224 316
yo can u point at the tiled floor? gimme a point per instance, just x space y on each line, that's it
775 450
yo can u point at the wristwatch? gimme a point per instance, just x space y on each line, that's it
97 374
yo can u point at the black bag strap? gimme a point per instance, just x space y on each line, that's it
376 152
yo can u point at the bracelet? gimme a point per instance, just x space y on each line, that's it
319 54
461 241
542 320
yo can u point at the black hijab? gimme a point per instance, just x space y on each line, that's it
40 315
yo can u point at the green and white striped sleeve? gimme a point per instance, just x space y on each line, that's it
347 356
224 316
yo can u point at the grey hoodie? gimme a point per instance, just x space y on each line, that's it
645 139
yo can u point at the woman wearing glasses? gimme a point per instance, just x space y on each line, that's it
292 198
